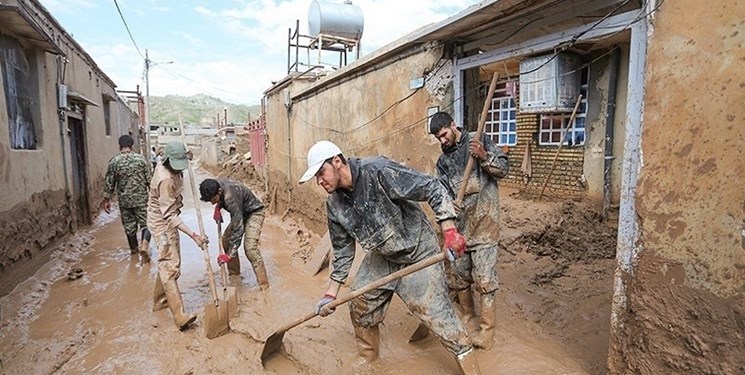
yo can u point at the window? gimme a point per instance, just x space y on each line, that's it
107 114
20 95
551 125
501 124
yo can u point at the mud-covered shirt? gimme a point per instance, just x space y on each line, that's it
479 218
165 200
128 175
382 214
240 202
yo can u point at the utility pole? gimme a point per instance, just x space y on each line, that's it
225 109
147 105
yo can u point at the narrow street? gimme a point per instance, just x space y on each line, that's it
102 322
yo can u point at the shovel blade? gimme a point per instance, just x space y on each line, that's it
216 320
230 298
272 345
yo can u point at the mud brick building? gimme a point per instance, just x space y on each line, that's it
60 120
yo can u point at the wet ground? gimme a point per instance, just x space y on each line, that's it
102 322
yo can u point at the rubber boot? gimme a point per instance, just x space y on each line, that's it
484 339
134 248
176 305
368 343
261 277
465 300
467 363
145 251
160 301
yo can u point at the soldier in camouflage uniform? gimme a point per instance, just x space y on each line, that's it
478 218
128 175
373 201
246 219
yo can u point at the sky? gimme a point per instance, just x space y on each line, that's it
230 49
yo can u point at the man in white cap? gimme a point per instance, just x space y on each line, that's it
163 210
373 201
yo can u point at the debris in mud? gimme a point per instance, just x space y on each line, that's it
75 274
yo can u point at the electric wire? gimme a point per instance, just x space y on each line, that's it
127 27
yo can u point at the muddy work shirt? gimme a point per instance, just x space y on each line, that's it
479 217
128 175
381 213
240 202
165 201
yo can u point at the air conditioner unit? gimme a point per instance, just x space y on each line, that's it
549 84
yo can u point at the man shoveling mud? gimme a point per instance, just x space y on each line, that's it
128 175
478 217
373 201
164 207
246 219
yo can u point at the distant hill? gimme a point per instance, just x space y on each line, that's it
198 109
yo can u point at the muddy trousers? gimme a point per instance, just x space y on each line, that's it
134 218
424 293
252 233
166 291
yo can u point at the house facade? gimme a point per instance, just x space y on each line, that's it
641 139
60 120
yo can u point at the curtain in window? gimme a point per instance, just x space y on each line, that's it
18 94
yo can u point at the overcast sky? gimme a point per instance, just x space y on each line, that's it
231 49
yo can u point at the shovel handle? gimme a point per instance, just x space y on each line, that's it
369 287
224 266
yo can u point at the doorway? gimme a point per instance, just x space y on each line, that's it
79 159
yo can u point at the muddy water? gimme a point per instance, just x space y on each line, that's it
102 322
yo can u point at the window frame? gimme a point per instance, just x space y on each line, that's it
21 91
550 125
503 129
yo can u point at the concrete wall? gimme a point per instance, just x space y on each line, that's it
34 207
684 298
354 114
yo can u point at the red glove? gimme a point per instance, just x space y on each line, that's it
223 258
455 241
217 215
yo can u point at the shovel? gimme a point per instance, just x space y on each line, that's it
229 293
274 342
215 313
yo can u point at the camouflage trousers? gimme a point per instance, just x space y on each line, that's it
169 255
252 233
478 267
133 218
424 292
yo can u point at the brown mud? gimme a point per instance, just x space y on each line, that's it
555 269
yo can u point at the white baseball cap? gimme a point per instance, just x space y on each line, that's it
317 154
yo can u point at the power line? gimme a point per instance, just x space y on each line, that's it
128 31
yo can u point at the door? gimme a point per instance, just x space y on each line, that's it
79 171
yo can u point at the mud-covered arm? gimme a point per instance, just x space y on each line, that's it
495 164
344 249
444 179
168 203
110 181
235 230
401 182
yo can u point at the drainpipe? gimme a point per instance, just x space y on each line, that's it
61 68
288 106
610 118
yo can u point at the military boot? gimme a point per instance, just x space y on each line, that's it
160 301
134 247
484 339
467 363
176 305
368 343
261 277
465 300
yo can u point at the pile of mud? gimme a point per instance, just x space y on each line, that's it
240 168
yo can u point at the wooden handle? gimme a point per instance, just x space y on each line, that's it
205 248
224 266
369 287
561 143
479 132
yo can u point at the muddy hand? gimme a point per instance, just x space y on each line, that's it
454 241
321 308
477 149
199 240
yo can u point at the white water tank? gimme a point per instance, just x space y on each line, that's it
337 19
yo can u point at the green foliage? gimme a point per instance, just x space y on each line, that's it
198 109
